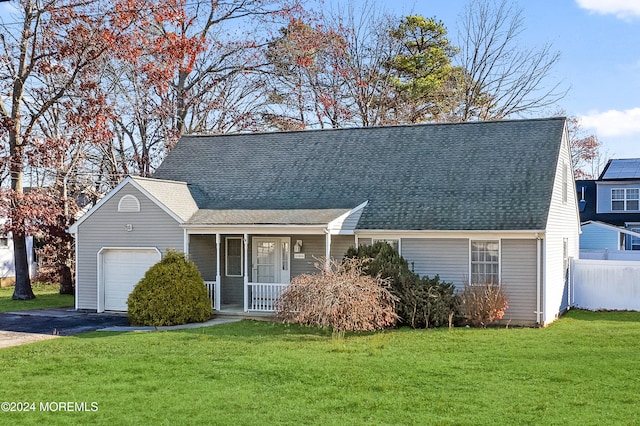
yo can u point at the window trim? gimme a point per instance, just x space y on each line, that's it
625 199
124 208
389 241
226 256
471 262
565 183
635 227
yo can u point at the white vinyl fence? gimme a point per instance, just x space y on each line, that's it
610 255
605 284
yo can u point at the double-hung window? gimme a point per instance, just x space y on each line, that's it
485 262
233 260
395 244
625 199
634 242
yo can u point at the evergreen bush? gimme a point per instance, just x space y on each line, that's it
172 292
422 302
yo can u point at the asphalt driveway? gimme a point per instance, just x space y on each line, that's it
59 321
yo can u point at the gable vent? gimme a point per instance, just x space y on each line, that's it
129 204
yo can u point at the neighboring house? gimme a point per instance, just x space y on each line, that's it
7 264
478 201
603 241
613 199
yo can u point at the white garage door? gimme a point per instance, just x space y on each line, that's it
123 268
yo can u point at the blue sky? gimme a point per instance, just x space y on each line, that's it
599 43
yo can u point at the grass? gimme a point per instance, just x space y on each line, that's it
47 296
583 369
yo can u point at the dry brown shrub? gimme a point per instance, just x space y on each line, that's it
341 297
481 304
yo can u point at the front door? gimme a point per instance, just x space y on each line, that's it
270 260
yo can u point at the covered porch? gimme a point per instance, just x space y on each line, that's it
246 267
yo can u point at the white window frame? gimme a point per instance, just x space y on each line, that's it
4 241
633 240
226 256
625 199
472 262
565 183
390 241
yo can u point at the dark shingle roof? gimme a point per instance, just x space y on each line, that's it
458 176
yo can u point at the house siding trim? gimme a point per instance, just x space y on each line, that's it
256 229
476 235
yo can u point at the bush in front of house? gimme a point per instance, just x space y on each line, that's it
341 297
481 304
172 292
423 302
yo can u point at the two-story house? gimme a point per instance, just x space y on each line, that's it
610 209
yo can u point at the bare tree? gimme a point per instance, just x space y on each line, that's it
501 77
586 151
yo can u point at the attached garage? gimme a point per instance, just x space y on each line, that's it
120 269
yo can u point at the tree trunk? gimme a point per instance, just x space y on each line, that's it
22 290
66 281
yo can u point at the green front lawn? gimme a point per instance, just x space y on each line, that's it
583 369
47 296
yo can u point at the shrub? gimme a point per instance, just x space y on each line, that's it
422 302
426 302
481 304
172 292
341 297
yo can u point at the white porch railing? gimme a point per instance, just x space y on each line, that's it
211 291
263 296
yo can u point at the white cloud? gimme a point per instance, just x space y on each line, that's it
613 122
623 9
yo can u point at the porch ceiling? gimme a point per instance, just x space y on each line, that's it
266 217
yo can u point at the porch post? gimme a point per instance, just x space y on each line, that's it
327 250
216 296
246 272
185 243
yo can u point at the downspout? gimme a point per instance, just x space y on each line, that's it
538 277
327 249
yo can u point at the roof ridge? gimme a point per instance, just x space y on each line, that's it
368 128
152 179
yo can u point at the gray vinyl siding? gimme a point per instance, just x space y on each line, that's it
563 222
202 251
519 280
313 247
448 258
152 227
340 244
